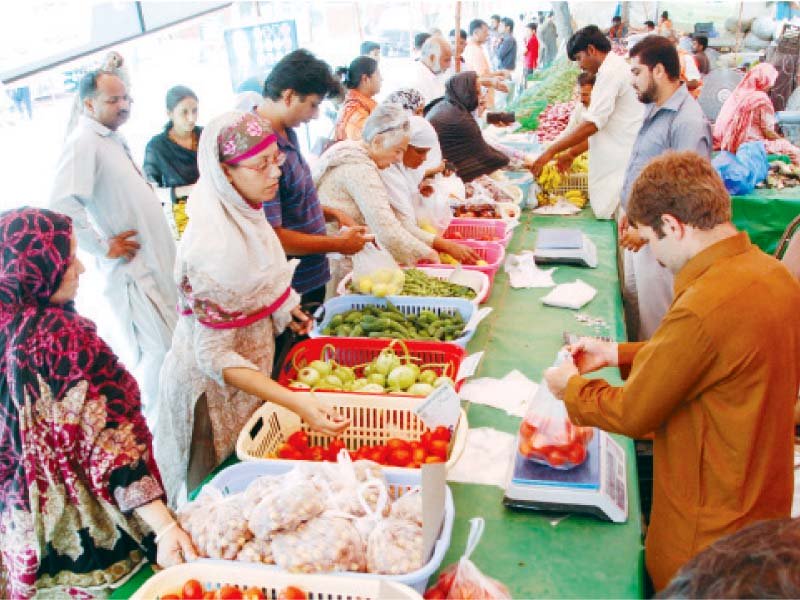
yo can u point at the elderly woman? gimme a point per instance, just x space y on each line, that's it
460 136
409 98
235 296
748 116
348 179
81 502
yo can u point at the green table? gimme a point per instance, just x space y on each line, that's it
764 214
580 557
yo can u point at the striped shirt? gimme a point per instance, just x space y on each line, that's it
297 207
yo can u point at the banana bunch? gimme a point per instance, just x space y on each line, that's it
581 164
548 181
576 197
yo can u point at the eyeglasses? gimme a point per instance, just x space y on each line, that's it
278 161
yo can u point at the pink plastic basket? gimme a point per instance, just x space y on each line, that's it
492 252
484 230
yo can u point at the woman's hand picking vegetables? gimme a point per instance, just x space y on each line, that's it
463 254
319 416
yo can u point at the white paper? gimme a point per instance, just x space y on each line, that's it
485 459
561 207
573 295
524 273
477 317
441 408
511 394
468 366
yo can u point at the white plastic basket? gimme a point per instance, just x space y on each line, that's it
573 181
373 420
408 305
213 575
473 279
236 478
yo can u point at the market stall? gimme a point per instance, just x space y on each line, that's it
541 554
765 213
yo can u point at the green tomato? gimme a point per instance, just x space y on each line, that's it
377 379
322 367
427 376
345 374
372 388
420 389
401 378
331 382
309 376
386 361
360 383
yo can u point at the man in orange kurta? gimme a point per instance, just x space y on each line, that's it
717 381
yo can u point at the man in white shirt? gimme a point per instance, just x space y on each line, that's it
610 124
430 71
118 218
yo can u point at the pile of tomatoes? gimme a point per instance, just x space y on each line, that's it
565 451
193 590
432 447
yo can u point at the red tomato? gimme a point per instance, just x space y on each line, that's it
556 458
292 593
433 459
398 444
333 449
288 452
399 457
576 453
298 440
441 433
192 590
170 597
316 453
228 592
526 429
418 455
426 440
435 593
439 448
210 595
253 593
525 447
379 454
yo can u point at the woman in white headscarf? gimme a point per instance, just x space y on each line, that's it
234 284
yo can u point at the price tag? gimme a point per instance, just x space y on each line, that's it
469 366
441 408
477 317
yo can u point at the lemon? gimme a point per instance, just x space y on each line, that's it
380 290
481 263
365 285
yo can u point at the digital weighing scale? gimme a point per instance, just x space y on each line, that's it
598 487
559 245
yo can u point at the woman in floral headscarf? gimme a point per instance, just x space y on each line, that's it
80 494
749 116
235 296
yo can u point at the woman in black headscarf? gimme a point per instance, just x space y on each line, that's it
460 137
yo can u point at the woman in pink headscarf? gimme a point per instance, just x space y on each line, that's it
749 116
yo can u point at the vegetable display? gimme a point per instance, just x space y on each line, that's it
553 120
193 590
418 283
476 211
781 175
552 180
387 374
433 447
447 259
382 282
557 85
485 189
389 322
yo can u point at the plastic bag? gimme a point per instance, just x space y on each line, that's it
409 506
321 545
285 508
256 491
464 580
352 489
256 551
376 272
216 524
395 547
547 436
741 172
432 206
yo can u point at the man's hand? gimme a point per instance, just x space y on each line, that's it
500 85
622 226
558 377
539 163
121 246
564 162
343 219
591 354
632 240
352 240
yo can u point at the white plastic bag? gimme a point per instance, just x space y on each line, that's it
463 579
432 206
321 545
376 272
216 524
547 436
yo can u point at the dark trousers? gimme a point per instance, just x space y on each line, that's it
285 341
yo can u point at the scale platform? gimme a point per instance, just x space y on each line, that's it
597 487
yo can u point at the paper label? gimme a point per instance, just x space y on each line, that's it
441 408
477 317
469 366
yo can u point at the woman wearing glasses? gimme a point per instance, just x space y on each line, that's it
234 285
348 179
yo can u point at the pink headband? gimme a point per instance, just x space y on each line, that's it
270 139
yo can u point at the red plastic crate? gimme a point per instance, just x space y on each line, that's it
483 230
350 352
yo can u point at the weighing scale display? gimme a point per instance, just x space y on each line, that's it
597 487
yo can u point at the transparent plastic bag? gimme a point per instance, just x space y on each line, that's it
285 508
256 551
547 436
394 547
375 272
409 506
321 545
432 206
216 524
256 491
464 580
347 492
